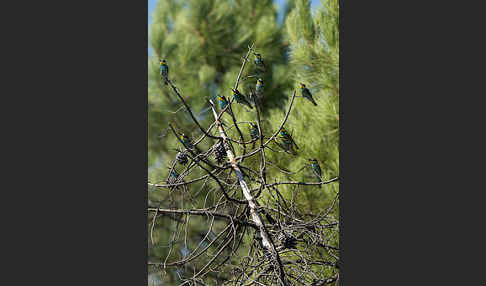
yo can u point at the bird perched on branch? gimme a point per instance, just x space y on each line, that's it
164 71
288 146
172 177
306 93
223 102
254 133
259 91
287 142
259 63
187 143
316 169
286 135
240 98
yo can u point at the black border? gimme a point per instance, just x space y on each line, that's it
78 181
79 164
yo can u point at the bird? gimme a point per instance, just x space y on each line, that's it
172 177
287 142
254 133
240 98
288 146
164 71
186 141
316 169
286 135
259 62
223 102
259 91
306 93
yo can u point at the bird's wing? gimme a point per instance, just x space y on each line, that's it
293 142
317 173
308 92
245 100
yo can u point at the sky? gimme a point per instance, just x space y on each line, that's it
280 3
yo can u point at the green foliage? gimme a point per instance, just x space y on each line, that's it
203 42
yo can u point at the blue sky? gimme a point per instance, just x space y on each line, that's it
280 3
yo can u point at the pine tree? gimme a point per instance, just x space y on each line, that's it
204 42
314 61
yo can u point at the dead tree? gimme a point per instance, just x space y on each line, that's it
286 245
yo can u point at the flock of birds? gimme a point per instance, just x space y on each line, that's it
287 142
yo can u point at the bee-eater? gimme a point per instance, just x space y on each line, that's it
164 71
188 144
254 133
259 62
316 169
306 93
286 135
240 98
223 102
287 142
173 177
186 141
288 146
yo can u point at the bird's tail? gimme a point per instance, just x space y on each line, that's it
314 102
292 151
260 71
260 103
295 144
